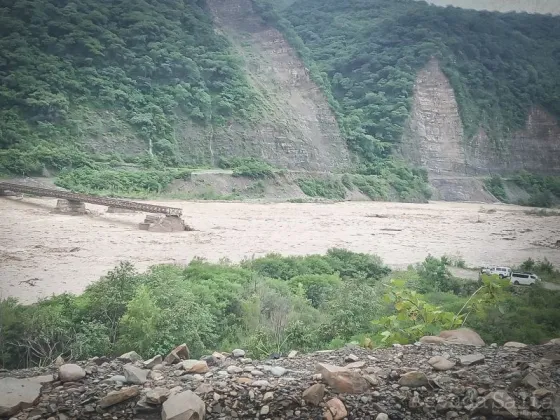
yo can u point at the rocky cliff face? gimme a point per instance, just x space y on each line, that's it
299 130
434 138
528 6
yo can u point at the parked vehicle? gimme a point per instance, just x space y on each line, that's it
503 272
526 279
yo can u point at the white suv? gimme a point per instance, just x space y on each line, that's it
503 272
526 279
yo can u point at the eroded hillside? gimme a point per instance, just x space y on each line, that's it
299 130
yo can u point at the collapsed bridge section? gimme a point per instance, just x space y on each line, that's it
73 203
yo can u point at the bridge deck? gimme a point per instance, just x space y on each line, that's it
86 198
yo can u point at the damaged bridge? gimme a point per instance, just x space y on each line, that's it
74 203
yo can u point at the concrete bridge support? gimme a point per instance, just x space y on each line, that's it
164 224
70 207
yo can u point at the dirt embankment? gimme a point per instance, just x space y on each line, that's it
43 253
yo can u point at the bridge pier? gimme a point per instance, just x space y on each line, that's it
70 207
163 224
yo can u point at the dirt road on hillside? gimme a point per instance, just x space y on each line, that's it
43 253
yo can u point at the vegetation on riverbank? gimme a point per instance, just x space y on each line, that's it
268 305
542 191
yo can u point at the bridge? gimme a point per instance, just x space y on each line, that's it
86 198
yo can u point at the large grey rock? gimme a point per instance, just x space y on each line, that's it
154 361
134 375
70 373
342 380
278 370
514 345
195 366
441 363
462 336
471 359
116 397
238 353
157 395
130 357
184 406
177 354
314 394
335 410
17 394
414 379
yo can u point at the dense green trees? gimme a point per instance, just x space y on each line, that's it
64 63
272 304
367 54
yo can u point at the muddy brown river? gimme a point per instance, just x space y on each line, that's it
42 253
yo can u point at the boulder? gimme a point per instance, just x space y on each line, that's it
335 410
531 380
554 341
195 366
184 406
355 365
234 370
414 379
441 363
342 380
498 403
464 336
116 397
278 371
17 395
157 395
238 353
351 358
134 375
177 354
471 359
70 373
292 354
130 357
430 339
515 345
154 361
314 394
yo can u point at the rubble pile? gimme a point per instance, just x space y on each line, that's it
436 378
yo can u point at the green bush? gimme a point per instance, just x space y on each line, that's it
248 167
120 183
326 188
269 305
495 186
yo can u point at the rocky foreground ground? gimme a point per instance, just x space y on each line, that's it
432 379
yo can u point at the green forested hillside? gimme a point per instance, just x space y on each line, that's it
134 66
369 52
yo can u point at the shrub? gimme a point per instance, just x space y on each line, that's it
495 186
325 188
317 287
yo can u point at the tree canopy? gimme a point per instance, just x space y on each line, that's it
149 62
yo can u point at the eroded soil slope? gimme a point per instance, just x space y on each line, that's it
300 130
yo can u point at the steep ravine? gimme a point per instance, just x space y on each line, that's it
434 139
299 131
